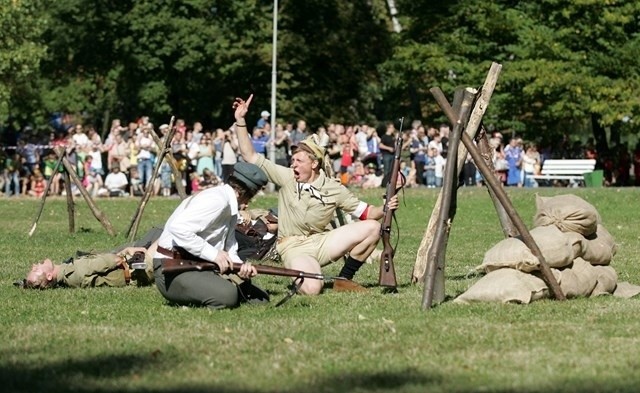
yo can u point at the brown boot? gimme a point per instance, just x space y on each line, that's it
347 286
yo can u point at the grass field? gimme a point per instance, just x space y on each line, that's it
130 340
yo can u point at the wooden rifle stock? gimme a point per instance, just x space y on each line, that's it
387 270
175 266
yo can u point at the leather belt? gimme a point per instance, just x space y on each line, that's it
179 253
166 252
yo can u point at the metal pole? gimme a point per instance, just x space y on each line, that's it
274 80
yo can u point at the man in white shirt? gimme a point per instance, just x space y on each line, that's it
203 228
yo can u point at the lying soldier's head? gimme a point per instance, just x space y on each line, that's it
41 276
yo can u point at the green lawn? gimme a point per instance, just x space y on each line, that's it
106 340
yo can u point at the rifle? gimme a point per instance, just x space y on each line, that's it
175 266
387 271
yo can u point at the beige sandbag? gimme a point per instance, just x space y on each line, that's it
505 286
579 279
600 248
568 212
559 249
607 280
626 290
509 253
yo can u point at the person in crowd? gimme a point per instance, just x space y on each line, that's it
418 149
281 143
37 184
259 140
229 155
218 141
387 150
440 162
299 133
92 181
530 165
202 228
144 146
263 120
116 182
372 179
430 167
513 155
307 201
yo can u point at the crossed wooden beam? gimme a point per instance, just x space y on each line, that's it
430 260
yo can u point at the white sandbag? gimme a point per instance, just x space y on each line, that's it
558 248
578 280
505 286
600 247
568 212
607 280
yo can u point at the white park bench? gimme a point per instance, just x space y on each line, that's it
571 170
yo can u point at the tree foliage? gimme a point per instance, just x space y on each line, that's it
566 63
21 50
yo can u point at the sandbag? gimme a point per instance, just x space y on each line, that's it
505 286
600 247
578 280
607 280
559 249
568 212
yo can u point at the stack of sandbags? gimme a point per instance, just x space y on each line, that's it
574 244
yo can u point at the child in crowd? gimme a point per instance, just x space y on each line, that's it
439 169
430 168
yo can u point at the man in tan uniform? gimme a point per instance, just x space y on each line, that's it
93 270
307 201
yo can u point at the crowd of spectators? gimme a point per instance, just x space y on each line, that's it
360 156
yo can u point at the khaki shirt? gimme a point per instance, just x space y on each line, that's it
306 209
100 270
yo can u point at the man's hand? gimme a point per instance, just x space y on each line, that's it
242 107
247 270
223 261
393 202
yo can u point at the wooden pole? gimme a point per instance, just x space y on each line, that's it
434 279
46 192
99 215
135 221
171 160
71 210
471 129
499 192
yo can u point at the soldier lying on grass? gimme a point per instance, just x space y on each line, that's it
91 270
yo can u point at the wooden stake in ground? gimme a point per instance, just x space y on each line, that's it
46 192
85 194
135 221
71 210
471 129
434 289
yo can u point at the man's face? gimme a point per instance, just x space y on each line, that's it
38 270
302 166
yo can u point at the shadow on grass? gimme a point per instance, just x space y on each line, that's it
113 373
118 373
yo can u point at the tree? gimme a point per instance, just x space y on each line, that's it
564 62
21 50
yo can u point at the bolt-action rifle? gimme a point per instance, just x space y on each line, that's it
387 270
175 266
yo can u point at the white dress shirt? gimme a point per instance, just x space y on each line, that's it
203 224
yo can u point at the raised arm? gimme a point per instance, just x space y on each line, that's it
247 151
